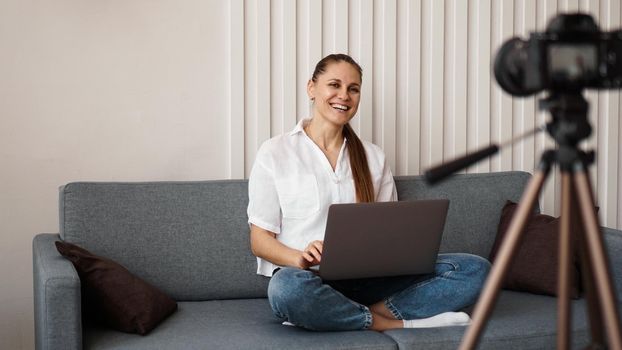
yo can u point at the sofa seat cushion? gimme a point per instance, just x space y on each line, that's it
231 324
519 321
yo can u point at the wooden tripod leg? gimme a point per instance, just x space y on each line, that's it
591 298
587 278
564 273
598 260
489 294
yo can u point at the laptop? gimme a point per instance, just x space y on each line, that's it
364 240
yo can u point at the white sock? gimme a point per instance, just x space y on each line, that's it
441 320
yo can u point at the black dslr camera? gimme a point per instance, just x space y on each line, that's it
571 55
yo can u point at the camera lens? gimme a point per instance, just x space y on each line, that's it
509 67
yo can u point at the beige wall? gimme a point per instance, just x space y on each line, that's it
99 90
138 90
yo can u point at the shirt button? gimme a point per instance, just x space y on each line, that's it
335 180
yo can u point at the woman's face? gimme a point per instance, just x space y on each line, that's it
336 93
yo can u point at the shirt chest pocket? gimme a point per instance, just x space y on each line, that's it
298 196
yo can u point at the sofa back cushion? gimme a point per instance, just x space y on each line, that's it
191 239
475 203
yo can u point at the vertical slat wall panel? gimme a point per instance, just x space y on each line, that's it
283 66
409 87
336 26
455 99
362 49
258 83
479 76
384 92
429 93
277 42
309 49
501 102
524 108
592 7
262 60
250 82
608 148
432 79
570 5
236 89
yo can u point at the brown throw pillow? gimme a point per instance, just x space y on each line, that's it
111 294
535 263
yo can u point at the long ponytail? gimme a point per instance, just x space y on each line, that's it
363 185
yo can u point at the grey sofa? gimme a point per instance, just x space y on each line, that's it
190 239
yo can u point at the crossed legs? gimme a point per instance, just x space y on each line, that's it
302 298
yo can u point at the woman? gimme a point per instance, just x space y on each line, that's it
295 178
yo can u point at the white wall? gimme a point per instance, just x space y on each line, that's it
100 90
186 90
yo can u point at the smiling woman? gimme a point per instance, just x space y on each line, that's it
295 178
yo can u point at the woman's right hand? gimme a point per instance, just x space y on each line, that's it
265 245
311 255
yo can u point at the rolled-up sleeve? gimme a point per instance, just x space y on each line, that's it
263 202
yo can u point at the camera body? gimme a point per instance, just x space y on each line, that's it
571 55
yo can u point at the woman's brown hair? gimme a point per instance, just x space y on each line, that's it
358 159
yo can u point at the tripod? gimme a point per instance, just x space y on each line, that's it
568 127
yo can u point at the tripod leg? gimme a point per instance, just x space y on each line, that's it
489 294
564 268
588 282
587 277
598 260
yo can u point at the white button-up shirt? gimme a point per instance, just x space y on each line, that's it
292 184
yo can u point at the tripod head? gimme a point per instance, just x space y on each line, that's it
569 124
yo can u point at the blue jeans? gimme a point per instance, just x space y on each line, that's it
304 299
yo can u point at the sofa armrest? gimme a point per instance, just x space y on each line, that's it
58 320
613 242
